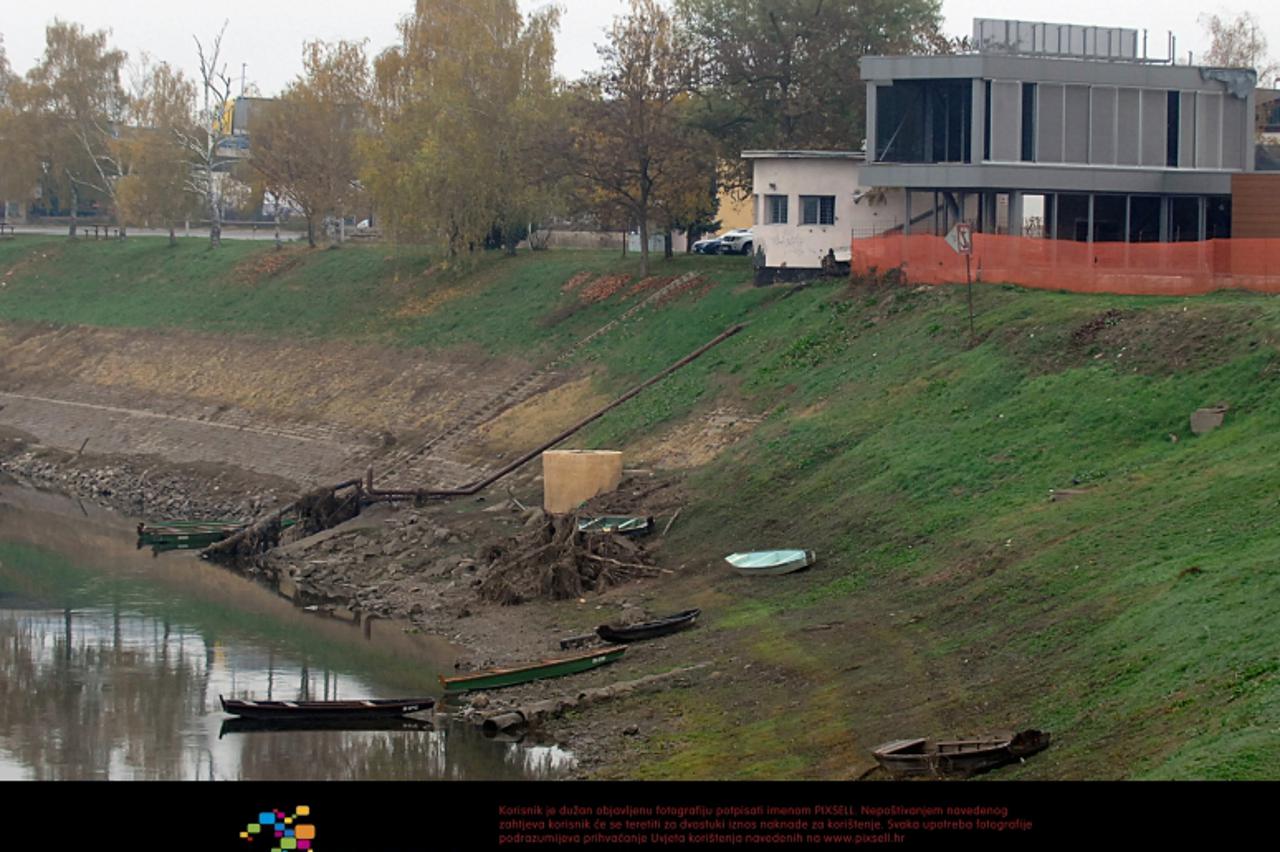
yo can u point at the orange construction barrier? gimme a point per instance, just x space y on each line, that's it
1144 269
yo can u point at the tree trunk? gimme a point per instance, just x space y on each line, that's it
644 246
666 246
215 215
75 202
625 236
173 237
311 231
279 245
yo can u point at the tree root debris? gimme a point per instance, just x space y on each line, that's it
551 560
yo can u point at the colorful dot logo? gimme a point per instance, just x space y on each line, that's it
284 831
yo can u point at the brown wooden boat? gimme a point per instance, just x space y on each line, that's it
958 757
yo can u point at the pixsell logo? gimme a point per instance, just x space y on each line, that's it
282 831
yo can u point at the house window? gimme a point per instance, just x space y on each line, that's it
817 210
775 209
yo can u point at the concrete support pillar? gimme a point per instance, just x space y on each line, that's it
1165 218
906 226
1015 214
1128 215
871 123
1089 237
1202 219
978 121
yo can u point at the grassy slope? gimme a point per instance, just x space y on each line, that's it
954 595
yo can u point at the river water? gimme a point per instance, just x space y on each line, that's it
112 661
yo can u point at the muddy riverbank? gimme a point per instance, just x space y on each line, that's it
422 567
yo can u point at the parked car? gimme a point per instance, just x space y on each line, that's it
707 245
737 241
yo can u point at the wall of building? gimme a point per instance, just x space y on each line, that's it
1067 112
799 246
1255 211
733 212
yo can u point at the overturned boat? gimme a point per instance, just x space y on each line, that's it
770 562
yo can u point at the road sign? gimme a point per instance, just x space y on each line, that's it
960 238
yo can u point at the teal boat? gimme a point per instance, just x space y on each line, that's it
497 678
769 562
621 524
189 535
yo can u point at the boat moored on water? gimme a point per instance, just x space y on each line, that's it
367 708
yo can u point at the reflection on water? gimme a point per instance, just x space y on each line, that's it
107 673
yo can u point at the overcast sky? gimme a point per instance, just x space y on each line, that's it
266 36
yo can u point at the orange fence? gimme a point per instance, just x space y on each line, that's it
1149 269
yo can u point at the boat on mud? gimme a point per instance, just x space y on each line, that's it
367 708
648 630
630 525
958 757
497 678
770 562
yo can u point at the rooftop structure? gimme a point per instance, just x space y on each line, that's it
1117 146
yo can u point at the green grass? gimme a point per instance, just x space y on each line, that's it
917 466
361 292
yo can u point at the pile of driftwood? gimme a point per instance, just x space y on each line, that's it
550 559
316 511
324 509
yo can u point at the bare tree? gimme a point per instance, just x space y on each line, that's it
1238 43
203 138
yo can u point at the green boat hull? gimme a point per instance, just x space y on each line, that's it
499 678
190 535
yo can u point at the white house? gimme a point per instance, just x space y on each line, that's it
809 205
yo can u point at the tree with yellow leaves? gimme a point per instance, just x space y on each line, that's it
304 143
460 146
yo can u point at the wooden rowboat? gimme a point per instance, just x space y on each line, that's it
770 562
649 629
962 757
496 678
241 725
369 708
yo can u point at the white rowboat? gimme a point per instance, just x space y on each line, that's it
767 562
